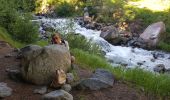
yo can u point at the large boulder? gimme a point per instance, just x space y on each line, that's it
153 34
110 34
114 36
39 64
99 80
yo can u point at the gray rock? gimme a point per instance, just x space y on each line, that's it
14 74
41 90
167 71
153 60
4 90
111 34
139 63
38 65
16 50
99 80
115 36
58 95
153 34
8 55
70 77
159 68
66 87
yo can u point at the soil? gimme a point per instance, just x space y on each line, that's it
24 91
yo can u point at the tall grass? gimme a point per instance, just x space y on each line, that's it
4 36
157 84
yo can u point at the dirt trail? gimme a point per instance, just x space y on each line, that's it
24 91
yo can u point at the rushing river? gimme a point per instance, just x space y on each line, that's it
131 57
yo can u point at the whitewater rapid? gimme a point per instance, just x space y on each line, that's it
117 55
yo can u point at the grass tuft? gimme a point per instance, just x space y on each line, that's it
157 84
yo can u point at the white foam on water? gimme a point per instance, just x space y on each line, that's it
116 54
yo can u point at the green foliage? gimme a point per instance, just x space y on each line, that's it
80 42
157 84
65 10
42 43
16 23
89 60
25 5
164 46
150 82
8 14
4 36
24 30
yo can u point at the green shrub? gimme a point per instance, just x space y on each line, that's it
25 5
8 13
164 46
80 42
16 23
24 30
4 36
89 60
65 10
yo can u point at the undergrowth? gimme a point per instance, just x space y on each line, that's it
157 84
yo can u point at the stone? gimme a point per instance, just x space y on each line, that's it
66 87
14 74
153 60
111 34
167 71
58 95
73 59
160 68
59 79
8 55
99 80
4 90
139 63
39 64
70 78
41 90
16 50
153 34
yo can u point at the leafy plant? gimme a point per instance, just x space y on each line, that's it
80 42
64 10
24 30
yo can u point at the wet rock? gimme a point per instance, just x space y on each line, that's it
99 80
153 60
4 90
66 87
168 57
160 68
157 55
41 90
70 78
14 75
58 95
39 64
153 34
90 26
139 63
111 34
167 71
